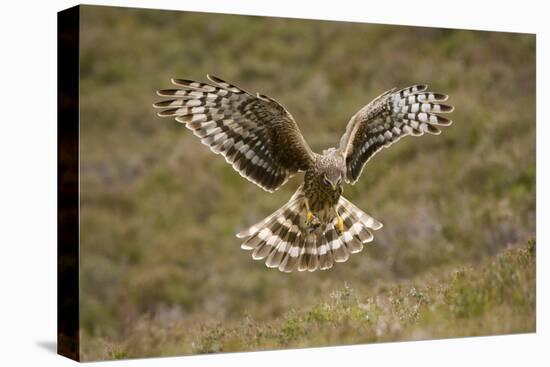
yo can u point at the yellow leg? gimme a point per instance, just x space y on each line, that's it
309 217
309 214
339 222
312 221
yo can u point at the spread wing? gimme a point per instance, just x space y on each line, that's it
254 133
385 120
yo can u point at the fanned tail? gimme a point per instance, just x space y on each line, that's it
284 241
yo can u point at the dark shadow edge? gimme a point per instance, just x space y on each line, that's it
68 35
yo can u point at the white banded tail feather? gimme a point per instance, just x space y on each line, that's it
284 241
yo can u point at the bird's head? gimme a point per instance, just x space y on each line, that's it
332 178
331 165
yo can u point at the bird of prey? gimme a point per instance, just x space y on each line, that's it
261 140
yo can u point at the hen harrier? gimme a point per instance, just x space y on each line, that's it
261 140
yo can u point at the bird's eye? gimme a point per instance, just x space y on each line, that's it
339 180
326 180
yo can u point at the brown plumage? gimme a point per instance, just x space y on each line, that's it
262 141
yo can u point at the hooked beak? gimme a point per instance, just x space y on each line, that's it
334 185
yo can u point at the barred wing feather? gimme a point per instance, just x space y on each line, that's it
385 120
255 134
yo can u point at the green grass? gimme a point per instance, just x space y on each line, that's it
159 211
489 298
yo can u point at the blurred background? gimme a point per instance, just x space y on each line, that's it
159 211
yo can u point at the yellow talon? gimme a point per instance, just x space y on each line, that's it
309 216
339 224
312 221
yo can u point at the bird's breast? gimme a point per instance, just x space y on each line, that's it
320 196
